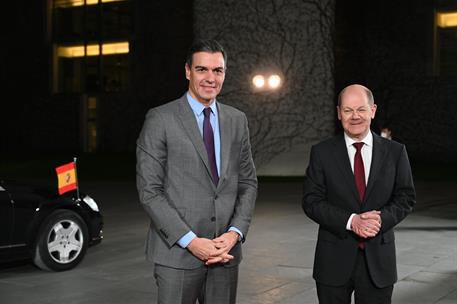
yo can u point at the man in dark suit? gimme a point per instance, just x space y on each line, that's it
196 180
358 187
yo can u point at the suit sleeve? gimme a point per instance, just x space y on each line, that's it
403 197
315 200
247 186
151 165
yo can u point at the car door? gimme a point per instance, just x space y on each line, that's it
6 218
25 202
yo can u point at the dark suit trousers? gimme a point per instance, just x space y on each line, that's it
365 292
209 284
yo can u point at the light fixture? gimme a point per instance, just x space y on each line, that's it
446 19
258 81
274 81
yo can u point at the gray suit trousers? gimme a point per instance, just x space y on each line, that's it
212 285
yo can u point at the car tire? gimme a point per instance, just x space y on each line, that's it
61 242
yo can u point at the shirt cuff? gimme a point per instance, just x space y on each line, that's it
237 231
349 223
186 239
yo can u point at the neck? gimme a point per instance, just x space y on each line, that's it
205 102
358 137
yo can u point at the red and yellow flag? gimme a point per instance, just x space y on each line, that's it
66 176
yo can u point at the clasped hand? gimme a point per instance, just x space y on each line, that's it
366 224
216 250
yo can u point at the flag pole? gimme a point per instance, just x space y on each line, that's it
76 177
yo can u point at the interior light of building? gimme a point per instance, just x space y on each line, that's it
258 81
446 19
71 3
93 50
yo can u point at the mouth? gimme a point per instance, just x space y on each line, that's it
208 88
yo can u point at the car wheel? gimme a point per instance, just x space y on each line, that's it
61 242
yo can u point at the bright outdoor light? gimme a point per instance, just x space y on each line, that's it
274 81
258 81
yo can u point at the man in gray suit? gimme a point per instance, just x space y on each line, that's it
196 180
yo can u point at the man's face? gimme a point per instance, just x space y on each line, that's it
355 112
206 76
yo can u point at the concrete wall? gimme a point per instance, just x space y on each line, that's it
293 39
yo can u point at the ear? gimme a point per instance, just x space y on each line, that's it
187 71
338 111
373 110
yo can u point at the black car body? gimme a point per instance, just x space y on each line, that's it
54 230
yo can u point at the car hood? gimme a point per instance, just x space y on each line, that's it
42 189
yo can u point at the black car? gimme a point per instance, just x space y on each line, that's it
54 230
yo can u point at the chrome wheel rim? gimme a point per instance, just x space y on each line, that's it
65 241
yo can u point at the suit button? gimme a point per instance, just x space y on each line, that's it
213 218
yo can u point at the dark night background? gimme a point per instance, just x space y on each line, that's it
389 46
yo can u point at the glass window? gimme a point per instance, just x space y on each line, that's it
91 43
446 44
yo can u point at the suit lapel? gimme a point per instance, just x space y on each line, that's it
225 130
379 153
190 126
342 159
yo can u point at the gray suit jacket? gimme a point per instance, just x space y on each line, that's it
175 186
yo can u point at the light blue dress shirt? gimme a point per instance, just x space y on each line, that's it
198 108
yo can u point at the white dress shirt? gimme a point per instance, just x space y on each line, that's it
367 154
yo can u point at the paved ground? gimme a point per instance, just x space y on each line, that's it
278 254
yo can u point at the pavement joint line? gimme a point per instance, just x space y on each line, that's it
276 287
291 266
445 296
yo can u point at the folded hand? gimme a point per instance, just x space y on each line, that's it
366 224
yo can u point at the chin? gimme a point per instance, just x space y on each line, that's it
358 134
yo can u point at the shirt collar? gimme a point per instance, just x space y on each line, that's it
198 107
367 140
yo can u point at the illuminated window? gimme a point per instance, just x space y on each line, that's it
91 48
445 45
73 3
447 19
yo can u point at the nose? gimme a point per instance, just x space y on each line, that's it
355 115
210 77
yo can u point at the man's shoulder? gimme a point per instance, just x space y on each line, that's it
388 143
230 110
328 142
168 108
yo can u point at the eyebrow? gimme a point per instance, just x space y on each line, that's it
206 68
349 108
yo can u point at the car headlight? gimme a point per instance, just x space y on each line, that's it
91 203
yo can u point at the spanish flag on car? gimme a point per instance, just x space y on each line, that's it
66 176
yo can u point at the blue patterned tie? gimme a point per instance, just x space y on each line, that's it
208 138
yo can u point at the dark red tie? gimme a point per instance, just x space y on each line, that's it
359 175
208 139
359 171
